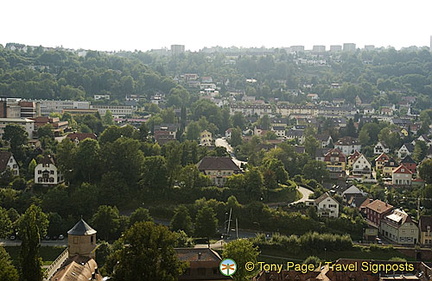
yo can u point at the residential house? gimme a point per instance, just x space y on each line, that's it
8 162
336 163
399 227
203 264
352 157
348 145
380 161
362 167
402 176
324 140
295 135
405 149
410 164
279 131
425 228
206 138
165 132
425 139
352 191
381 147
388 168
218 169
376 211
47 173
327 206
228 133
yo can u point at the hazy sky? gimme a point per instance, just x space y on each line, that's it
144 24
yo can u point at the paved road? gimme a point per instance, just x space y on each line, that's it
223 142
305 194
5 242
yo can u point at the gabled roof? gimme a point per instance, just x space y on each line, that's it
399 216
382 157
383 144
4 159
379 206
197 254
408 160
353 190
408 146
217 163
391 163
402 170
77 268
347 141
48 159
81 229
323 197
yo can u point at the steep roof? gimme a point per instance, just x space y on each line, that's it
48 159
408 146
402 170
382 157
81 229
82 136
77 268
217 163
353 190
4 159
323 197
379 206
408 160
197 254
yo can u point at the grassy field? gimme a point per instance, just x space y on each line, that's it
48 253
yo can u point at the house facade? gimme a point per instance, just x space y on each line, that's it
327 206
361 167
206 138
7 161
406 149
425 228
348 145
380 161
400 228
47 173
218 169
376 211
381 147
335 160
402 176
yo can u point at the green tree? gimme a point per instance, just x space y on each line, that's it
193 131
316 170
5 223
420 151
17 138
32 226
65 156
107 221
147 254
7 271
241 251
206 222
108 118
425 170
236 137
311 145
181 220
88 168
140 214
254 183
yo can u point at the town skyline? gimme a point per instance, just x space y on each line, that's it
108 26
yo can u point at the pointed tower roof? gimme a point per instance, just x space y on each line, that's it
81 229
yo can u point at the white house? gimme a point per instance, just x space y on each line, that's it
327 206
400 228
406 149
362 167
46 172
402 176
206 138
7 161
348 145
381 147
26 123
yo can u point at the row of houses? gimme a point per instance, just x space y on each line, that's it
395 225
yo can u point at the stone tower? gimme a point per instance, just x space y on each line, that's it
82 240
